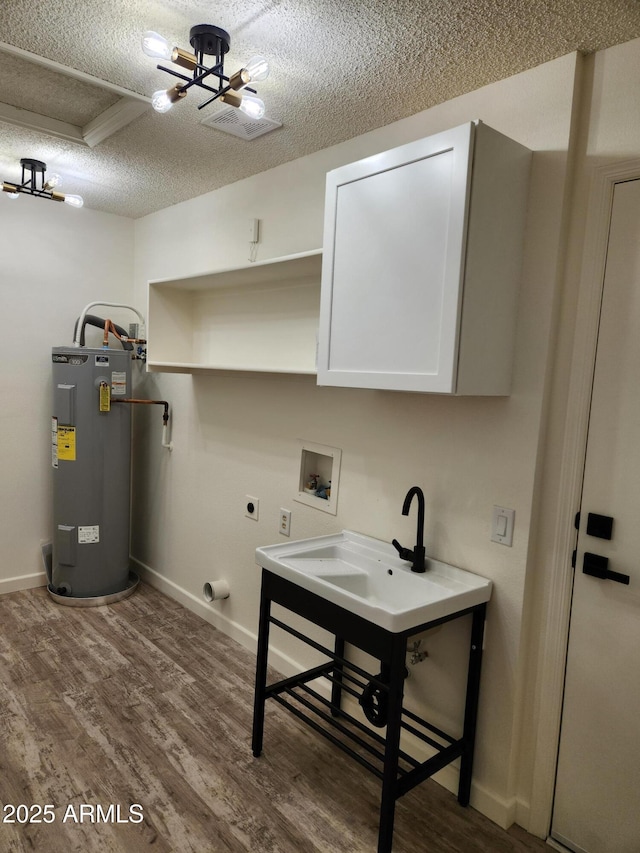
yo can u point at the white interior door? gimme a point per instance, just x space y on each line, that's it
597 800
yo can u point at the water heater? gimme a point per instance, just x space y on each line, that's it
91 460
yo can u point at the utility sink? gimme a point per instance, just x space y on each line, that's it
367 577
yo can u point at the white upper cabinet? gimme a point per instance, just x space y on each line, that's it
421 265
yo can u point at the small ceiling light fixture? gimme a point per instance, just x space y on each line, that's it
34 183
206 40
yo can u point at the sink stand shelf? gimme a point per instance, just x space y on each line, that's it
381 755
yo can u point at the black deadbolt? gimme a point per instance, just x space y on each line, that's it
599 525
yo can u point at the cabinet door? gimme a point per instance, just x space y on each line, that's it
393 266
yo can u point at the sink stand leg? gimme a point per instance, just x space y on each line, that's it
392 744
471 704
261 673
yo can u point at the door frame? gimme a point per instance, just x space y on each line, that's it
556 571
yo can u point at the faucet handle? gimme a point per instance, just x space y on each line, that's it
405 553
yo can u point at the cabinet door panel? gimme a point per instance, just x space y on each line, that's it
386 206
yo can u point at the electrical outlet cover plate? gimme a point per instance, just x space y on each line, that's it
285 521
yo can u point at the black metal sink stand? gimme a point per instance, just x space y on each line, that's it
398 770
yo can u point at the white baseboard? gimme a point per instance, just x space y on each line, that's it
213 612
23 582
500 811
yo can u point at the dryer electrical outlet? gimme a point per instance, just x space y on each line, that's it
251 507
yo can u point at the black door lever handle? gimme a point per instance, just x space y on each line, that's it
598 567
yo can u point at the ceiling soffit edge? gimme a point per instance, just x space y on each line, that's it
114 118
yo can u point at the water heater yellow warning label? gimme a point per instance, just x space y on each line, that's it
67 443
105 397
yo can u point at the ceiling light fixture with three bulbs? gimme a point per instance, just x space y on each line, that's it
35 183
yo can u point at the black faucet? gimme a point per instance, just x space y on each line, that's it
416 556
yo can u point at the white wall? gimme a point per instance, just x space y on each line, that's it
55 260
237 434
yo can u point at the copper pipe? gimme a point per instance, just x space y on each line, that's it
165 415
110 327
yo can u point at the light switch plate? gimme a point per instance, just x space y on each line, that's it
502 525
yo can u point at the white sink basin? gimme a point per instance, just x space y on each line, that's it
367 577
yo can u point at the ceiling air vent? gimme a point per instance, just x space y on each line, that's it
233 121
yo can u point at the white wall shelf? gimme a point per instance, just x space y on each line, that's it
259 317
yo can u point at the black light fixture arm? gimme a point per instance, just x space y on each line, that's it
197 81
190 81
210 100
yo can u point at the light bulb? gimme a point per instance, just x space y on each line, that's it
252 106
10 190
163 100
155 45
74 200
160 101
257 68
52 181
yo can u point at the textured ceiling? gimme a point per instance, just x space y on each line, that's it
338 69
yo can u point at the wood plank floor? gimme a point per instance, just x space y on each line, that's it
143 702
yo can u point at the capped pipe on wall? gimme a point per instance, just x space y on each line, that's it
216 590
